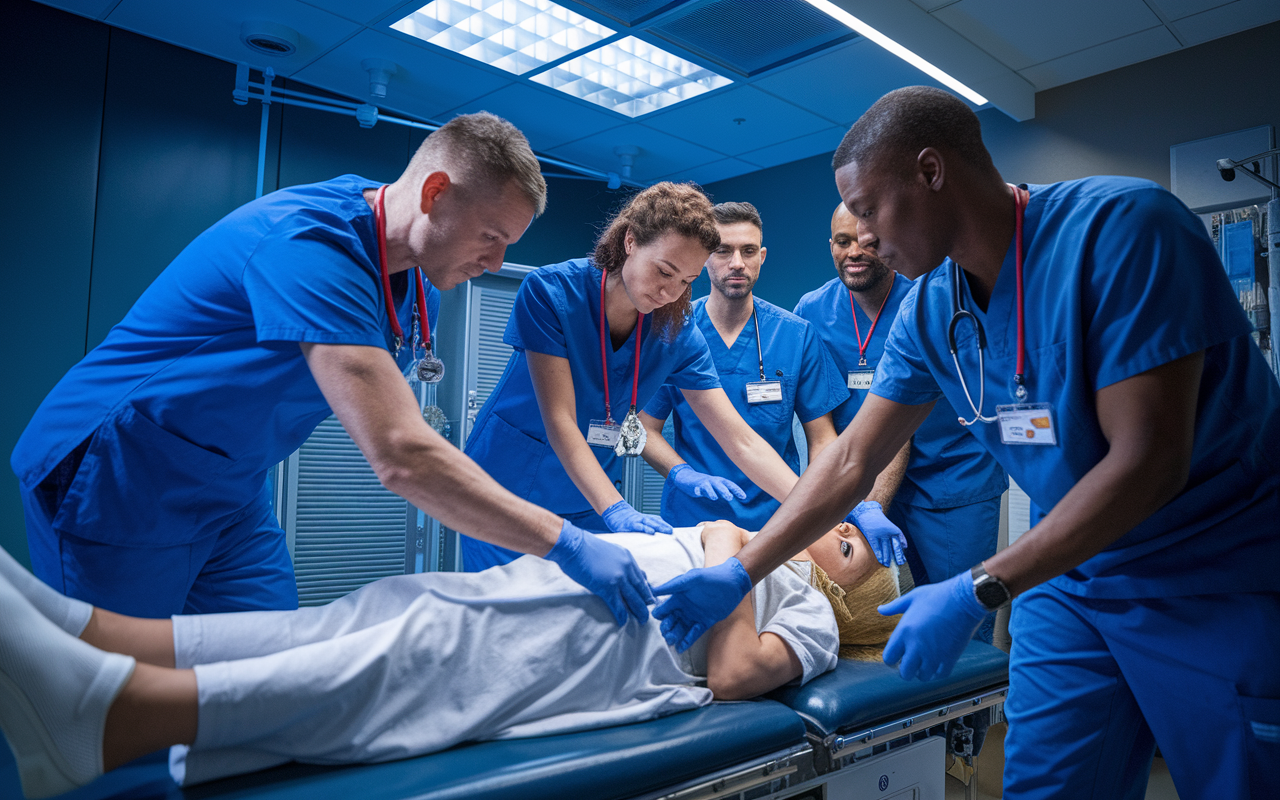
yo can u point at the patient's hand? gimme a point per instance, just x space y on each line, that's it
725 535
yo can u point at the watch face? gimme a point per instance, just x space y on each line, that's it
991 594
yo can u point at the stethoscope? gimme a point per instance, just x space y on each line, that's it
959 312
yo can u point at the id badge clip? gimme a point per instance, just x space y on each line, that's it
603 433
1027 423
861 378
764 392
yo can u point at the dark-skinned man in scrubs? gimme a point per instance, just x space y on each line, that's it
947 502
1102 358
143 472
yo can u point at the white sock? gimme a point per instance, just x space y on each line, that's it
55 692
68 613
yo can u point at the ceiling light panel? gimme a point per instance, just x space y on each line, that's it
514 35
631 77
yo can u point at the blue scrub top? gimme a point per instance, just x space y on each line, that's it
1119 278
811 386
947 466
202 386
557 313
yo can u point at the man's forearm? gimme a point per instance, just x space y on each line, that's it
890 478
448 486
658 453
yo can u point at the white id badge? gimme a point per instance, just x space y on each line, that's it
861 378
1026 423
764 392
603 433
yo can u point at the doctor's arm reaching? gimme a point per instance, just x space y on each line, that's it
663 458
553 384
844 473
374 403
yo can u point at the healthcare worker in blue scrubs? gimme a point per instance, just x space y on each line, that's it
948 503
553 430
1102 357
772 366
143 473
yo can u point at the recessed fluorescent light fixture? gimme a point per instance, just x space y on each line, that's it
631 77
515 35
838 13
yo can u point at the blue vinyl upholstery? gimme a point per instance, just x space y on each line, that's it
857 693
606 764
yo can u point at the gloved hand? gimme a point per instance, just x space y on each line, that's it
885 538
606 569
938 620
699 599
699 484
622 518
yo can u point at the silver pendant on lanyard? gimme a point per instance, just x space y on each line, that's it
632 435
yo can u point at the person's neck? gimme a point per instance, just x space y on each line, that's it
729 315
399 256
621 312
986 224
872 299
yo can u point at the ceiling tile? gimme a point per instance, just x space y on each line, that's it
369 12
428 82
547 117
1177 9
93 9
714 121
659 154
1226 20
214 28
842 84
1102 58
796 149
715 171
1020 33
930 5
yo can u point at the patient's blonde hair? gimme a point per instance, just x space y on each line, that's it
863 631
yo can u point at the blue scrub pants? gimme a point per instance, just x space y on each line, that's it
941 542
1095 684
246 567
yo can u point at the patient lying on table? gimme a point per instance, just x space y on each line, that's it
408 665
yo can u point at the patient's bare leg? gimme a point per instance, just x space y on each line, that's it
157 708
148 640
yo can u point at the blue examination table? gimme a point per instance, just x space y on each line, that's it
857 731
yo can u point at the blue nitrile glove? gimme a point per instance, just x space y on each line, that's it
885 538
606 569
699 599
938 620
699 484
622 518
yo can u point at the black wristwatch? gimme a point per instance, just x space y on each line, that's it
991 592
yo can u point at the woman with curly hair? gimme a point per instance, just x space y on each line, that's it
554 430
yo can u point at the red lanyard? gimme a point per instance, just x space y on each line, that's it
1020 203
380 215
604 356
862 344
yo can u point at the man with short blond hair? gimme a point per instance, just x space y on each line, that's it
143 472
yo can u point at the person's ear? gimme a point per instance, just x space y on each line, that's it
764 251
432 187
932 168
628 242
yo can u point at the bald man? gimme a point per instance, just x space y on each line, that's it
947 503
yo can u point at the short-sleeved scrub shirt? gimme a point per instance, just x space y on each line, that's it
793 355
557 313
